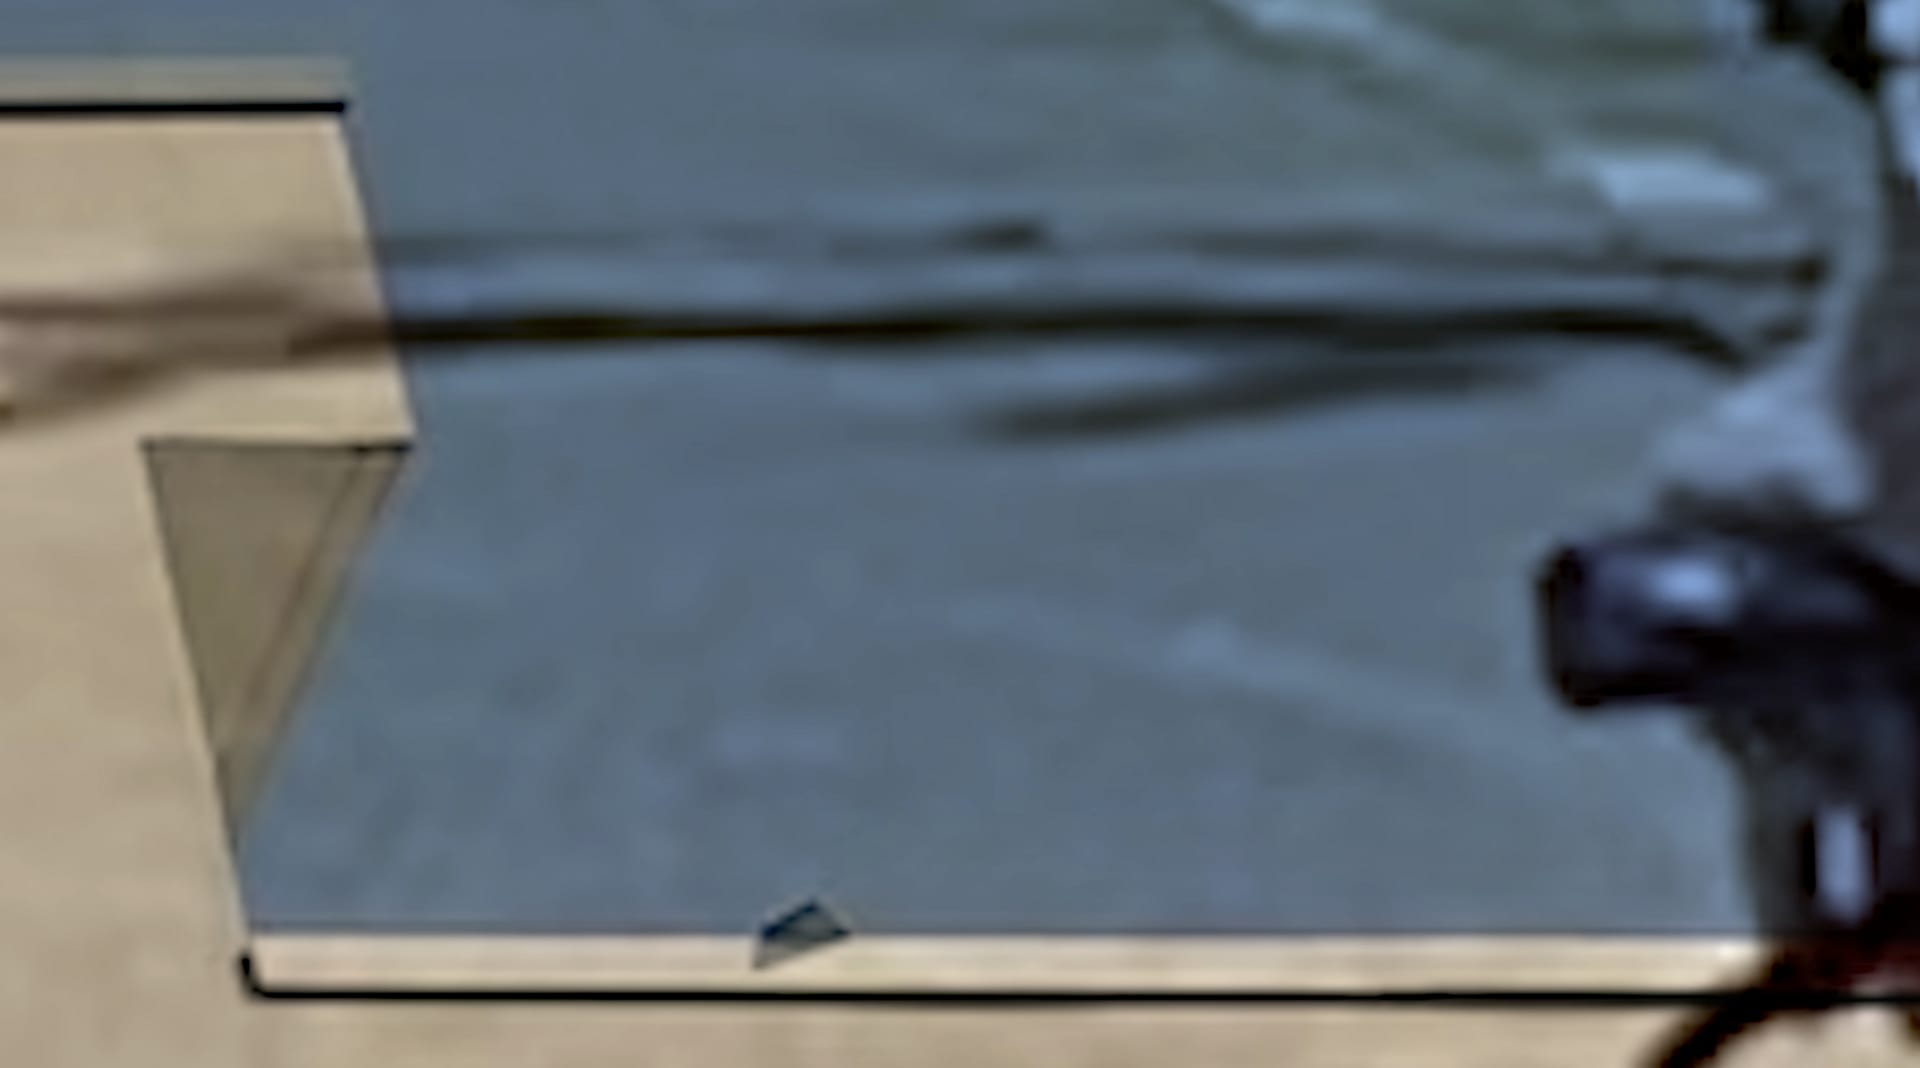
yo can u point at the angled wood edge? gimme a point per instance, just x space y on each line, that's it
264 484
259 539
321 964
80 83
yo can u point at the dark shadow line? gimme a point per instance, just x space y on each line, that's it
603 323
413 336
110 109
1031 239
589 327
1015 997
892 338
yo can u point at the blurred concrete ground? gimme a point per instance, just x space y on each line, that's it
669 642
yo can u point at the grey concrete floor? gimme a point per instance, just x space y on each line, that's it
667 641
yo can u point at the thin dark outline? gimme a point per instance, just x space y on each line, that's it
13 110
1599 999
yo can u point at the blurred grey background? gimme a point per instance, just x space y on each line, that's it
1194 598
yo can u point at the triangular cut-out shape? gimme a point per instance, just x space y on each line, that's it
259 539
802 929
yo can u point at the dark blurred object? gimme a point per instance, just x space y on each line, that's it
1732 617
1800 656
1796 645
1840 31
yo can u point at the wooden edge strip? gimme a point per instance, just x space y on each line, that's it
64 85
290 659
387 442
587 966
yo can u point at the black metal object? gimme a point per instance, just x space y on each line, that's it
1798 654
1795 647
1839 31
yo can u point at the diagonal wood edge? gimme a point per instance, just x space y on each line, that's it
259 540
265 484
321 964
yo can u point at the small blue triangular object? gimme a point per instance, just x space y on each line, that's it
801 929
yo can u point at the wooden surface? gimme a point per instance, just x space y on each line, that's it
118 914
1225 966
813 1036
117 907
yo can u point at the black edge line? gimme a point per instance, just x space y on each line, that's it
70 109
357 446
249 976
1011 997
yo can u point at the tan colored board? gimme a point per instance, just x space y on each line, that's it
129 668
1094 1036
118 916
1079 966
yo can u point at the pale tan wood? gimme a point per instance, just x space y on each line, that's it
263 209
118 917
433 1033
425 1035
1227 966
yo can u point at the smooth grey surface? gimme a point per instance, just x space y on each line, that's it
668 644
667 637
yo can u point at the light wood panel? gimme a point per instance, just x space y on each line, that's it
118 916
1223 966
